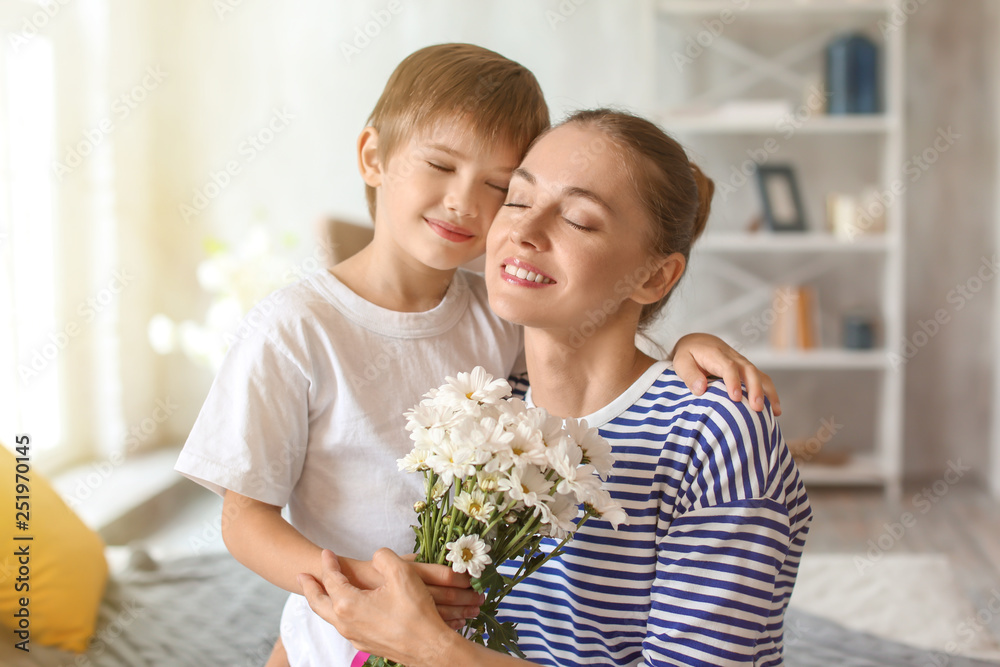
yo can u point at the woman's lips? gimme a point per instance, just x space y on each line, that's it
448 231
521 273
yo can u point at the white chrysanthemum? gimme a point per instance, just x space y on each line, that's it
550 427
468 554
584 485
525 448
476 387
513 410
564 456
475 505
415 461
489 482
439 490
596 449
453 460
429 415
560 516
485 435
434 440
605 507
527 485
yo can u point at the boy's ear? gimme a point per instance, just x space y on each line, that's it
663 275
368 160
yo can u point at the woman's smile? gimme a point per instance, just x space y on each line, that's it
519 272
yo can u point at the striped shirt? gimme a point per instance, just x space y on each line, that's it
702 573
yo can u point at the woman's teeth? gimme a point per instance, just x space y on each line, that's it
524 274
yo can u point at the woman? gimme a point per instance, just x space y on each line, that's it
605 207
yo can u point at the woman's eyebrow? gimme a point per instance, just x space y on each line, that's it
525 174
574 191
571 191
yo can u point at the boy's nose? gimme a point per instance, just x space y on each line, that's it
461 200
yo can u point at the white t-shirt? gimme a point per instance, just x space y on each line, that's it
307 411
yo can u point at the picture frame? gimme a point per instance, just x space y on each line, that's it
780 198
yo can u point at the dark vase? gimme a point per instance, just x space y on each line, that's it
852 75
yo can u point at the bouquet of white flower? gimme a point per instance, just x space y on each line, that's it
499 477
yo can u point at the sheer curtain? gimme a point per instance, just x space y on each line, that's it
68 144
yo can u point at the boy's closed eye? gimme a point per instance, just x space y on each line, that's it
441 167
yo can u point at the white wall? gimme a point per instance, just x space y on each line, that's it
227 75
951 222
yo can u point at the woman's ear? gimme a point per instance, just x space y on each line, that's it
663 275
368 159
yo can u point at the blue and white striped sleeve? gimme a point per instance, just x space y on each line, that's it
712 597
722 544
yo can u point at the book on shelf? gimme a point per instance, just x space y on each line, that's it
794 325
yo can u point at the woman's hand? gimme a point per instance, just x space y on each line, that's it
397 620
452 592
698 355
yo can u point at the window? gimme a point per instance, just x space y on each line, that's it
30 337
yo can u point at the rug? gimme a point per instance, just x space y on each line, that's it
912 599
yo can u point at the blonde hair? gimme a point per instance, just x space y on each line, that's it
500 99
676 194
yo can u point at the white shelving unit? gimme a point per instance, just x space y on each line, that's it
710 53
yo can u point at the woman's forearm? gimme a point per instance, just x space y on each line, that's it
460 651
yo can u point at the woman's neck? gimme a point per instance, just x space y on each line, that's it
573 376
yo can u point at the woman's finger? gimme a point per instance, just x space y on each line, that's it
313 591
332 574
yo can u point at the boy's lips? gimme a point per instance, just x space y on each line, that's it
519 272
448 231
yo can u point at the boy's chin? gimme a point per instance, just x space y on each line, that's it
450 259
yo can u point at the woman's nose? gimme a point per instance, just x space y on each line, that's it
529 230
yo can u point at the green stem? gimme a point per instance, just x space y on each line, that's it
446 510
548 556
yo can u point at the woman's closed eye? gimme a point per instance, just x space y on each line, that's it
440 167
577 226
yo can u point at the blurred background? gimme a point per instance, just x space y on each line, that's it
165 165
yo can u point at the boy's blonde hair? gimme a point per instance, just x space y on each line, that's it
500 99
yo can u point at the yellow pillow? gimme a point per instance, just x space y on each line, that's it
61 578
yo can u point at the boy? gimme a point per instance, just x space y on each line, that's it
306 411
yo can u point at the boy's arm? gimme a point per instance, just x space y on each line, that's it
259 537
697 355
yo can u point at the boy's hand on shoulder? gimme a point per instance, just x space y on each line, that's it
699 355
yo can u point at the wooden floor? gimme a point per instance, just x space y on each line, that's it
962 522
